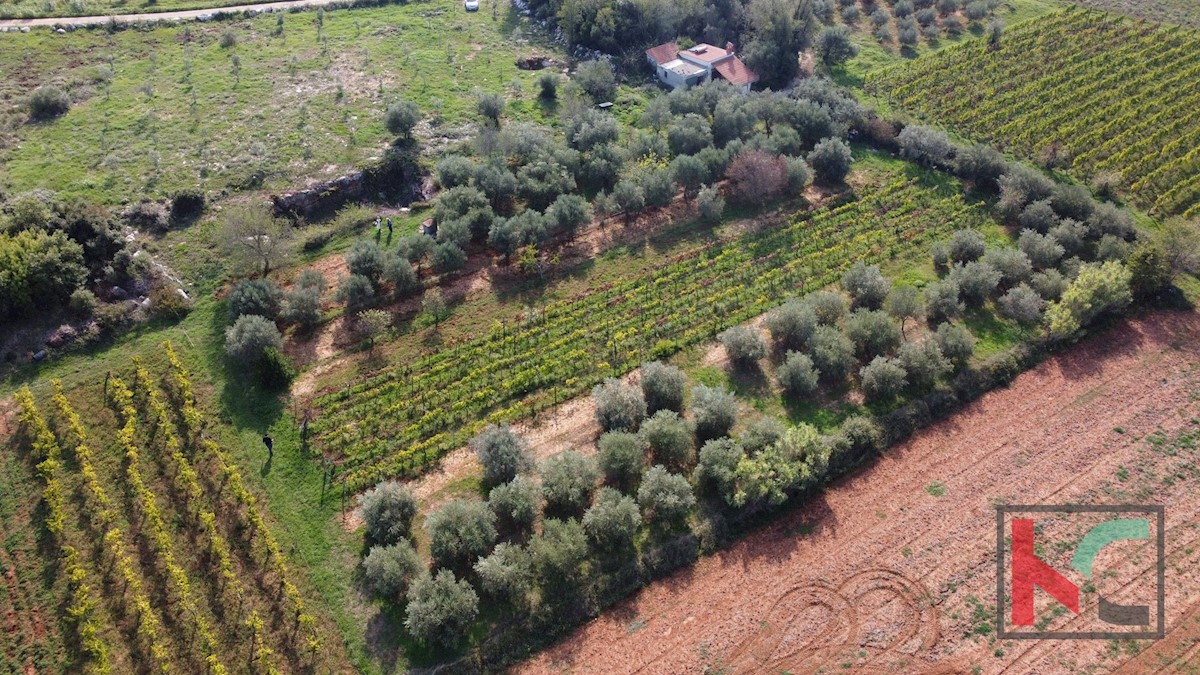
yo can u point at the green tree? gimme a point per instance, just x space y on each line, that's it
440 609
1098 289
797 375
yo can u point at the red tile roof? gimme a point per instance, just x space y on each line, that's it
668 51
736 72
710 54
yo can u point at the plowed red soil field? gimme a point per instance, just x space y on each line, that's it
892 570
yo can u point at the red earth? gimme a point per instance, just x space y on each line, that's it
892 569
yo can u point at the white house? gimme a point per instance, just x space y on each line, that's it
684 68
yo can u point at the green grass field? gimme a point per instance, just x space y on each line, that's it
167 108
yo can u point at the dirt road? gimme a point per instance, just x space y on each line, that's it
179 15
893 569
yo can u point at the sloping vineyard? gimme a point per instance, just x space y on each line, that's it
205 586
1117 95
400 421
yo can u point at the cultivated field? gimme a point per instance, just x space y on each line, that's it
1094 92
402 420
892 569
164 558
1172 11
289 98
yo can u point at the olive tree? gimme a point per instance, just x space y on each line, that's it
744 346
568 480
1021 303
613 521
873 332
832 353
502 453
830 160
792 324
882 379
619 406
666 497
956 343
250 337
866 285
516 504
904 303
621 457
669 438
829 306
388 512
389 570
255 296
966 246
402 117
923 362
797 375
440 609
460 531
714 411
976 281
716 469
662 387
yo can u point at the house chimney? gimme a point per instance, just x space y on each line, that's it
729 47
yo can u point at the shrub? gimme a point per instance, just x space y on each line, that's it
250 336
507 575
942 299
619 406
1042 250
662 387
757 176
390 569
460 532
621 457
976 281
1012 264
275 371
792 324
454 171
882 379
956 343
744 346
832 353
924 363
866 285
926 17
966 246
167 301
1097 290
149 216
489 106
355 291
255 296
568 480
48 102
401 118
1022 303
797 375
669 438
516 504
187 204
717 467
714 412
448 257
388 512
597 79
82 302
666 497
873 332
828 306
547 86
833 44
830 160
710 204
613 521
440 609
926 146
